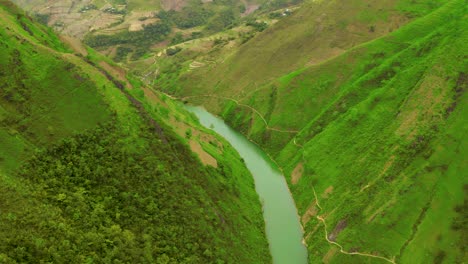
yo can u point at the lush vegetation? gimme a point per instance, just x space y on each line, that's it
372 125
91 172
210 18
362 104
384 151
142 39
119 204
188 17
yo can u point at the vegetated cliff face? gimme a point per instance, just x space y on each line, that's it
372 138
91 171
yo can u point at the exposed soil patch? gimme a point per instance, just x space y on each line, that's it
249 8
205 158
311 212
327 192
151 95
103 20
173 4
160 45
67 18
139 25
181 127
338 228
137 20
327 258
75 44
297 173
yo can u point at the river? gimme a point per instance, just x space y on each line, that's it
283 229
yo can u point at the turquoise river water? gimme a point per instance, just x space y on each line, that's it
283 229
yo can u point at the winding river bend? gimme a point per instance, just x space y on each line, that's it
284 232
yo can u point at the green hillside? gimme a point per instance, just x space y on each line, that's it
385 150
92 171
361 103
316 32
367 117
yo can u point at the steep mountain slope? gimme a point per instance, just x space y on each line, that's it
372 138
257 74
318 31
383 161
90 170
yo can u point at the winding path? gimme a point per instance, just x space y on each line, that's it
240 104
301 147
321 219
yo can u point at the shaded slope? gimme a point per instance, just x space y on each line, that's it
90 173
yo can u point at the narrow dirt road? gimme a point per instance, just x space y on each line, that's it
243 105
317 203
321 219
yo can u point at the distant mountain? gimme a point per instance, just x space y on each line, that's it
128 29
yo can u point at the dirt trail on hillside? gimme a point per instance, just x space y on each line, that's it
195 65
310 212
243 105
322 219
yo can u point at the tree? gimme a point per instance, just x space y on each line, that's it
188 133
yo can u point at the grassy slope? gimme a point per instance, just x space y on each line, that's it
382 129
391 145
390 141
187 213
316 33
